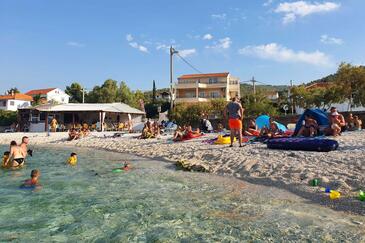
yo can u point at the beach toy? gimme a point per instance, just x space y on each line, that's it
314 182
117 170
326 189
362 195
334 195
224 140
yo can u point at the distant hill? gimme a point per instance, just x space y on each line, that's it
248 88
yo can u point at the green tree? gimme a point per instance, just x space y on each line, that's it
350 81
107 93
154 92
258 104
125 95
14 90
7 117
75 92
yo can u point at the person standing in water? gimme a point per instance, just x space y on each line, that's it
24 146
235 115
17 155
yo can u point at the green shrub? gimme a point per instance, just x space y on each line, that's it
7 117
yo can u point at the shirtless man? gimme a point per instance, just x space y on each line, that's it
23 146
17 155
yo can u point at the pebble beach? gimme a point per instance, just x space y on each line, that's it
342 170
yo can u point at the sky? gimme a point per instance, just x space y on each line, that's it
54 43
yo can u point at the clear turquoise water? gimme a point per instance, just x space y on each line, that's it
154 203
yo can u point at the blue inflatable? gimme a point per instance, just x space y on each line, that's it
317 114
264 121
305 144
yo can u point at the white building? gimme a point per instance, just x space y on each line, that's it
14 101
50 95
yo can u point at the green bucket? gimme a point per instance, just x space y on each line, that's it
362 195
314 182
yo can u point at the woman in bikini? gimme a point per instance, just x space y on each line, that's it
17 156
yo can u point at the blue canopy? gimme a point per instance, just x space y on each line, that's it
317 114
264 121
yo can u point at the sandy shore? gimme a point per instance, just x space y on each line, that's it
342 170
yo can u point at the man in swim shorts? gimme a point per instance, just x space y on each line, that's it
235 115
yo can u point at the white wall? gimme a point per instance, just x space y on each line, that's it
58 95
13 105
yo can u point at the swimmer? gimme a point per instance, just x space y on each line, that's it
72 160
33 181
5 162
126 166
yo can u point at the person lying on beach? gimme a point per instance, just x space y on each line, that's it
5 161
357 123
34 179
252 129
72 160
73 134
17 155
309 127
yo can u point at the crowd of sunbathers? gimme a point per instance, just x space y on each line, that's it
337 125
151 130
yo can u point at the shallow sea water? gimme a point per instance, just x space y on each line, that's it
154 203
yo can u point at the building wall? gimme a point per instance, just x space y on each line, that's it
58 95
13 105
204 89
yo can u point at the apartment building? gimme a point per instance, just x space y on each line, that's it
192 88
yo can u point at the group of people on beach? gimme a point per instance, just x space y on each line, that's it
151 130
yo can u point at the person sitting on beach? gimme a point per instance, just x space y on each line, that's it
190 134
147 131
17 155
156 130
206 125
73 134
357 123
179 134
252 130
335 122
72 160
340 121
5 161
309 127
34 179
271 131
350 124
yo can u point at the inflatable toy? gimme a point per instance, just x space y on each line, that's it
314 182
362 195
326 190
117 170
335 195
305 144
224 140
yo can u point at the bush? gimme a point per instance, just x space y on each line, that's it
7 117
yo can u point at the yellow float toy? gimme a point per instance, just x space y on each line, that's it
224 140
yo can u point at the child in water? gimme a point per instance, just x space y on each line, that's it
33 181
126 166
5 163
72 160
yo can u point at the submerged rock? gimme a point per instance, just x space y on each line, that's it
192 166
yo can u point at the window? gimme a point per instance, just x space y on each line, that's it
213 80
12 103
201 94
3 103
214 94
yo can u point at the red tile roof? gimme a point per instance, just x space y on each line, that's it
203 75
39 91
16 97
